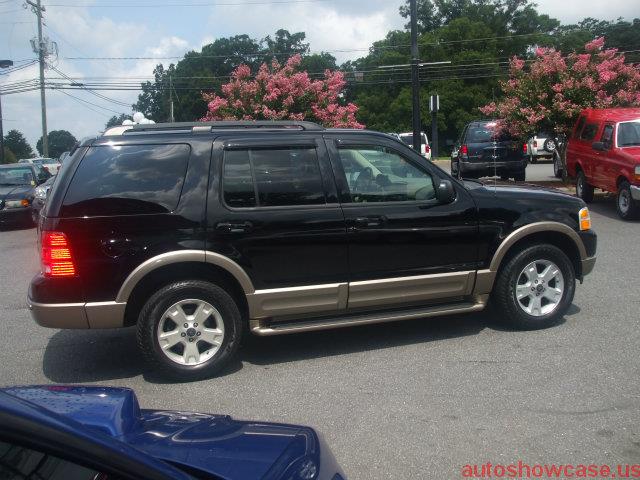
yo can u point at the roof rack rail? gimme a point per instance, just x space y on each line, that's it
204 127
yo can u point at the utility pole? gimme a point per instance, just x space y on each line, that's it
3 64
415 80
41 50
170 99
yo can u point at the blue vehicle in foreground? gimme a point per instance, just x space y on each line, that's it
100 433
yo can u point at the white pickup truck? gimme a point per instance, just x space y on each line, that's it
52 165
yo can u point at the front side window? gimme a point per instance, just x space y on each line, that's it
589 131
19 463
629 134
379 174
127 180
272 177
607 135
579 126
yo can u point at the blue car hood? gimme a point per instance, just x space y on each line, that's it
216 444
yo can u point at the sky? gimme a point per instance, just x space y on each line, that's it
165 28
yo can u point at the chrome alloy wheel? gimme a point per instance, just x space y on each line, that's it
624 201
539 288
190 332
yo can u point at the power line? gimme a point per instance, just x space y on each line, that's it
90 103
163 5
86 106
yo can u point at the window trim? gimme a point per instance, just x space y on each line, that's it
340 143
595 133
578 128
261 145
613 140
123 144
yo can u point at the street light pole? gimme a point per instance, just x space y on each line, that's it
415 80
3 64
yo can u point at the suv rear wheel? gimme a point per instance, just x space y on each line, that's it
520 176
583 189
627 207
535 288
189 329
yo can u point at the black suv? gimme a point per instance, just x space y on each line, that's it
198 232
483 150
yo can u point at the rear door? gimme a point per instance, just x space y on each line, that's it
273 209
586 154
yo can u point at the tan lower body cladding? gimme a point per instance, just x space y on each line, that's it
342 296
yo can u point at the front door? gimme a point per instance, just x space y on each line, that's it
404 245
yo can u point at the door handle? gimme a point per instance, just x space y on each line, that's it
367 222
228 227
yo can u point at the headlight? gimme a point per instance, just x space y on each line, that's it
16 203
584 218
41 192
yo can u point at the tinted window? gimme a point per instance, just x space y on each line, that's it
16 176
127 180
280 177
481 134
18 463
378 174
579 126
628 134
589 131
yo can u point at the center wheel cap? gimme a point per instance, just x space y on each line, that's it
191 332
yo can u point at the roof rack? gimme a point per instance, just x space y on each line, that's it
205 127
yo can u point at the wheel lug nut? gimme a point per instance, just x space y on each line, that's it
186 325
195 325
191 339
198 334
183 334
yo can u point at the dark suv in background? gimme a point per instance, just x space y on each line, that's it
483 150
197 233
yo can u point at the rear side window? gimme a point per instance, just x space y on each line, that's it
127 180
272 177
589 131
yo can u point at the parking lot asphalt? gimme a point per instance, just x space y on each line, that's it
416 399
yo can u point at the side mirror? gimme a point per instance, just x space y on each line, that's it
600 146
445 193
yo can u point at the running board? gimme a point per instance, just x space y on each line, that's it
261 328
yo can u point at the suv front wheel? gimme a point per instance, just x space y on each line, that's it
189 329
535 288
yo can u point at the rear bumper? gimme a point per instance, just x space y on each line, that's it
500 167
78 315
635 192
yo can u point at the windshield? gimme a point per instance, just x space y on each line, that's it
629 134
16 176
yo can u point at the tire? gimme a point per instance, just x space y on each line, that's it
549 145
583 189
626 206
192 293
557 171
520 176
512 281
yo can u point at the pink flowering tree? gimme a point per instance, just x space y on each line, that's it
282 92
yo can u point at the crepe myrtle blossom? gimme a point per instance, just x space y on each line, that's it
548 93
282 92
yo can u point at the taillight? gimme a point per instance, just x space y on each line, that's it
524 148
427 149
57 260
464 150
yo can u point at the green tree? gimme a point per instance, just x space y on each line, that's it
15 141
206 71
117 120
9 157
59 141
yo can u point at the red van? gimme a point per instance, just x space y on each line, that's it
604 152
